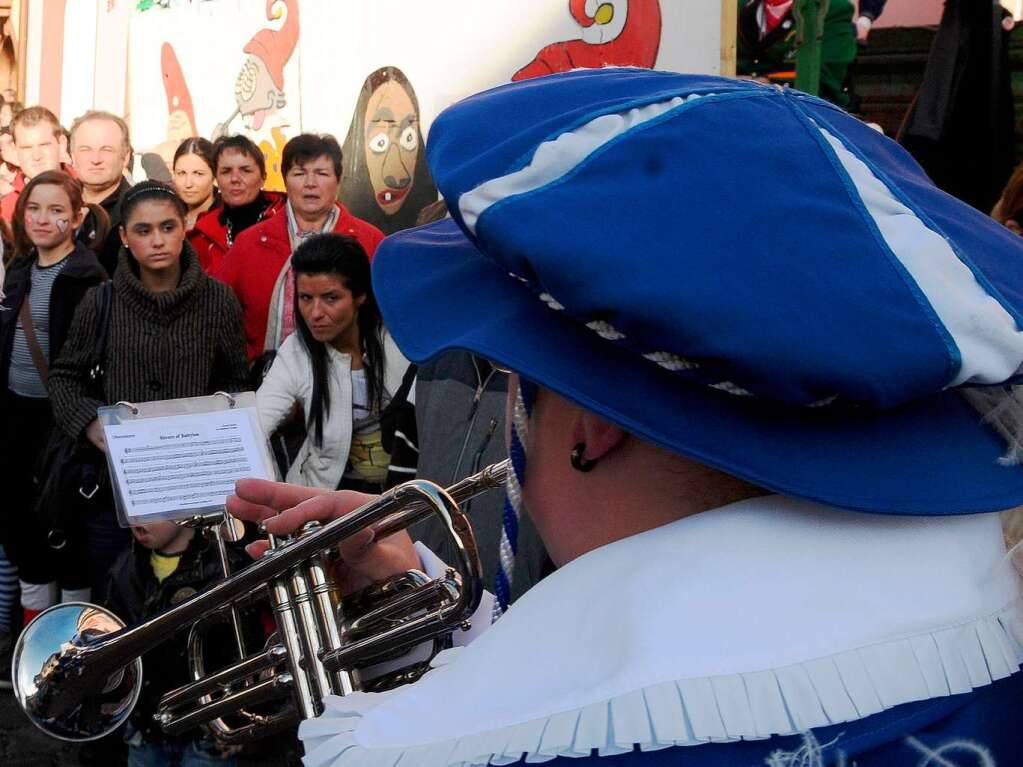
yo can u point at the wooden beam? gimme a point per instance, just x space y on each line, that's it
729 31
21 49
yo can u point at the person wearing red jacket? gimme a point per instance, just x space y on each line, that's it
258 265
240 170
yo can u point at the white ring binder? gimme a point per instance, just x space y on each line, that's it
230 398
179 459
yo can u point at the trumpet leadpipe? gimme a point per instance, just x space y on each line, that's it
491 477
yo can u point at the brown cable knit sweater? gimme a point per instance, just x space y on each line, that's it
186 342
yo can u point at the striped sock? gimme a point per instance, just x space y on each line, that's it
8 593
36 597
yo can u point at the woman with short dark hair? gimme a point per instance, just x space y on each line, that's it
240 173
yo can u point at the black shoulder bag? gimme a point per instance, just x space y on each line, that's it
70 472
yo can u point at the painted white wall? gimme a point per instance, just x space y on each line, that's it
34 54
78 74
447 49
111 46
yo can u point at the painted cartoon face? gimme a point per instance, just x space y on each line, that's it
602 20
256 93
179 124
49 220
392 145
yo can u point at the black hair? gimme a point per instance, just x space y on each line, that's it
242 144
308 146
356 188
150 190
343 256
198 146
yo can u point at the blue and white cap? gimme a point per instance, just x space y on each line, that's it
739 273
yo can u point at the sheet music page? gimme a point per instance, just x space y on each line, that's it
172 466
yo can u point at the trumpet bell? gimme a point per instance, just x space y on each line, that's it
56 645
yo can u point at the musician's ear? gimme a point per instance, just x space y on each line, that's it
599 436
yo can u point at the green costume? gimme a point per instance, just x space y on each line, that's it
776 51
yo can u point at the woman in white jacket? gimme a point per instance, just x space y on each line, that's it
344 370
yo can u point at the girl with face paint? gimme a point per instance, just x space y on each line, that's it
45 282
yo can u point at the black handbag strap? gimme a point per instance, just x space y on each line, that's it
104 299
38 358
401 395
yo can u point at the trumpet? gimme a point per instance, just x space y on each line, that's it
77 670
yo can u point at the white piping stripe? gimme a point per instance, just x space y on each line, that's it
671 361
553 159
990 344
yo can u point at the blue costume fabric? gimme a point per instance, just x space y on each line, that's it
816 273
978 729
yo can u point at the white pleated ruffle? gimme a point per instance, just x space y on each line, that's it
767 617
783 701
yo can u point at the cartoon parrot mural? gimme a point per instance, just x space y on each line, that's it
259 87
615 32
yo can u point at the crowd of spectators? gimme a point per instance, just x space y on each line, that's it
146 291
215 283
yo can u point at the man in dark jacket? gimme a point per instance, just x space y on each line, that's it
100 147
460 404
460 407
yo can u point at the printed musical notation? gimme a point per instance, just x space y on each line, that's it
172 466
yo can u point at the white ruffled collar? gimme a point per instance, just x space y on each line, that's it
769 616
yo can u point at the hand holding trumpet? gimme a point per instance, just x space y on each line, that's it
283 509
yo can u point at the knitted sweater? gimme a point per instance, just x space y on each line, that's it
186 342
